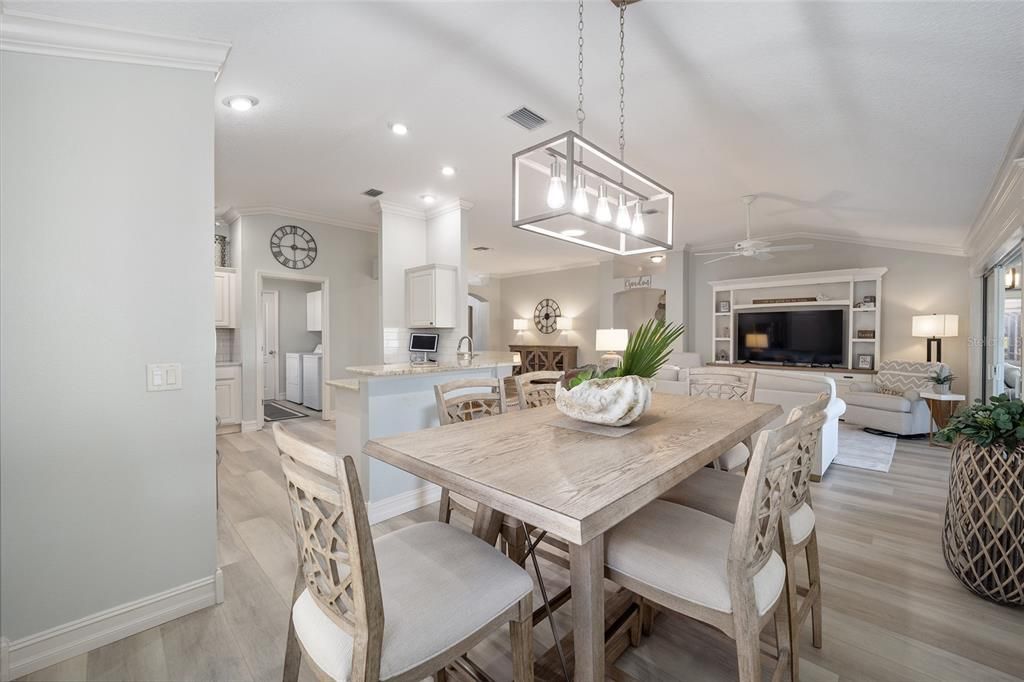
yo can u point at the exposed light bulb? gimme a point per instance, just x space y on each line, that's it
603 214
580 202
638 220
556 192
622 215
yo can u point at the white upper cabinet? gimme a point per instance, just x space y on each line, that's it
314 311
430 296
225 293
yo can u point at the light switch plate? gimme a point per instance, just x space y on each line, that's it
163 377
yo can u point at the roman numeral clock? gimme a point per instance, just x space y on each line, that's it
293 247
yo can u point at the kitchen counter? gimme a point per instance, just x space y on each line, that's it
347 384
482 360
229 364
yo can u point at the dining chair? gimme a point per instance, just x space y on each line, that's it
536 389
392 608
727 575
718 493
723 383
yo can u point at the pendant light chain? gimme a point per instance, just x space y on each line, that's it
622 80
581 115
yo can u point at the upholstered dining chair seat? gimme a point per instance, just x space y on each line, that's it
684 552
718 493
439 585
734 458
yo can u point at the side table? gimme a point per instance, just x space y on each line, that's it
942 406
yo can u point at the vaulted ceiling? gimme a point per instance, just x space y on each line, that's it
875 121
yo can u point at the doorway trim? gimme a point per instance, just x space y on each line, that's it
277 344
327 412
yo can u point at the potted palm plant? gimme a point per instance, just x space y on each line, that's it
622 394
943 382
983 533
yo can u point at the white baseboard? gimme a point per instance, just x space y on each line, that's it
43 649
389 507
250 426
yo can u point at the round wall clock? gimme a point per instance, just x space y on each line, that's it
293 247
545 316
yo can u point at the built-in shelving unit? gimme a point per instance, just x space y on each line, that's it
833 289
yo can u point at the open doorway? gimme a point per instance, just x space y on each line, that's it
292 347
479 322
633 307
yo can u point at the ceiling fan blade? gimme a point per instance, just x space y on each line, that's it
714 253
790 247
761 255
715 260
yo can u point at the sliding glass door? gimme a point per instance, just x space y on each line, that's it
1004 346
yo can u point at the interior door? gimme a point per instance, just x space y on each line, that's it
269 344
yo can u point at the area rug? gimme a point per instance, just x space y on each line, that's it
863 450
275 412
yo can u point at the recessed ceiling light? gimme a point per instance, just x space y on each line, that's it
399 128
447 170
428 198
657 258
574 233
240 102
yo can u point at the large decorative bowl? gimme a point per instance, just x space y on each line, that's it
611 402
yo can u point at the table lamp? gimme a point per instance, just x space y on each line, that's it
519 324
935 327
611 341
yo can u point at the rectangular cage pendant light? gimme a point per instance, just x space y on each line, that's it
571 189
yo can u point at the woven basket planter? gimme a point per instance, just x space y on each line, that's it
983 535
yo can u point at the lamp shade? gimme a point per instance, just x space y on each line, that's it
611 339
565 323
756 340
519 324
935 326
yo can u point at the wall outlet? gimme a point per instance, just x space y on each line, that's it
163 377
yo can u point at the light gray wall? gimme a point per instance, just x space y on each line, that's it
345 257
577 292
490 291
291 322
106 264
916 283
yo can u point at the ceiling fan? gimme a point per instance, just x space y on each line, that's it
753 248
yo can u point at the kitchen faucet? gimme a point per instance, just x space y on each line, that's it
458 347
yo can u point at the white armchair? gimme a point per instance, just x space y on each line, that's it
893 403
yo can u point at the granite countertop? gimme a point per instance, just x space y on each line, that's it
481 360
348 384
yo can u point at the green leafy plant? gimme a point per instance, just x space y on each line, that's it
940 379
648 349
1000 421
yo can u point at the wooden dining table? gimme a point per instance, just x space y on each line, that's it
574 480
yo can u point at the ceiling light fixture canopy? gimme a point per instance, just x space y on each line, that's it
240 102
398 128
569 165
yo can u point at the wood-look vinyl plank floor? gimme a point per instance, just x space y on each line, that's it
893 612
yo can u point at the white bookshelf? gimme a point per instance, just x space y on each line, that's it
834 290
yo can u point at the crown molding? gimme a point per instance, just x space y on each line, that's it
941 249
30 33
542 271
232 214
989 228
392 208
450 207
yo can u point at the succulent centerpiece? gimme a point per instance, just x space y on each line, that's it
620 395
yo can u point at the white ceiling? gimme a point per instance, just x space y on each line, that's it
879 121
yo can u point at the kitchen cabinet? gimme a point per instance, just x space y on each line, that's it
314 311
225 295
228 391
430 297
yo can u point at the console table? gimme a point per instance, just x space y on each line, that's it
545 358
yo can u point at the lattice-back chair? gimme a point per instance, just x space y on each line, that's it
798 530
465 399
536 389
340 604
723 574
723 383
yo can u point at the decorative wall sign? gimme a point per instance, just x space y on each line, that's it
865 333
293 247
641 282
546 315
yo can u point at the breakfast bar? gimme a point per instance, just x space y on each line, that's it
385 400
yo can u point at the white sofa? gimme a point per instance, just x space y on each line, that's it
785 388
901 410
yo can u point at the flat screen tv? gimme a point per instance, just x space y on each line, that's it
807 337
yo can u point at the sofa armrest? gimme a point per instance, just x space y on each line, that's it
863 387
912 394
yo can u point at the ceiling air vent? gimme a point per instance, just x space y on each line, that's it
373 192
527 118
481 248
